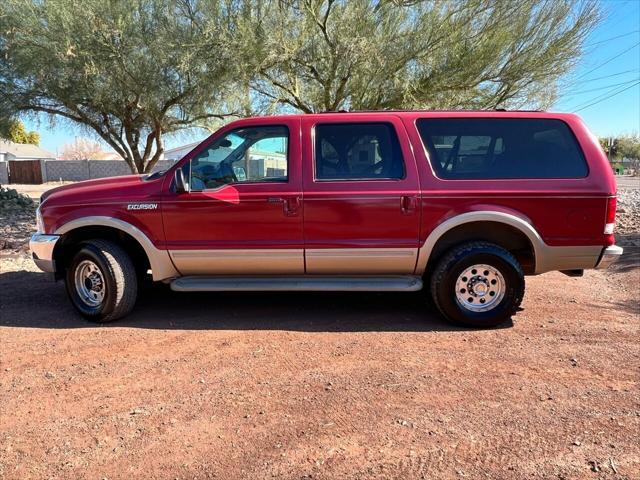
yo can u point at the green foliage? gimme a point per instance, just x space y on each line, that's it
15 131
628 146
128 70
134 70
622 147
317 55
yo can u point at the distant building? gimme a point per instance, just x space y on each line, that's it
19 151
257 163
178 152
106 156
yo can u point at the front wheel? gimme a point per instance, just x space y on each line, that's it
478 284
101 281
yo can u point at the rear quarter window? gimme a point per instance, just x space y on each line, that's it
501 148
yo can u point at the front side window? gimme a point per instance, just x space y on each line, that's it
251 154
357 151
505 148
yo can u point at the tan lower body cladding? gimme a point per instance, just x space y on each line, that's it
368 261
347 261
292 261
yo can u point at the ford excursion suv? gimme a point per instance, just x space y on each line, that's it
461 205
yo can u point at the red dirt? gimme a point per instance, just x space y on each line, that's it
320 385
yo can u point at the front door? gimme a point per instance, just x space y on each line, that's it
243 213
361 209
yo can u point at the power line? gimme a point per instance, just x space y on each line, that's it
613 91
617 74
608 60
607 97
604 87
597 97
612 38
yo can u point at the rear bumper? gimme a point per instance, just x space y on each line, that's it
41 247
609 255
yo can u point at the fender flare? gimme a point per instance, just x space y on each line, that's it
161 265
539 246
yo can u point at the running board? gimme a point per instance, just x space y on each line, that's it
387 283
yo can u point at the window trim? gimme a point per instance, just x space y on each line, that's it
250 182
359 179
498 179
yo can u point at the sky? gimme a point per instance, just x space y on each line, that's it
604 89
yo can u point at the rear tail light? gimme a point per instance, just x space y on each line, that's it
610 221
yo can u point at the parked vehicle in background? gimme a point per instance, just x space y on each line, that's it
462 205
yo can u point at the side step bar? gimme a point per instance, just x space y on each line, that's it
387 283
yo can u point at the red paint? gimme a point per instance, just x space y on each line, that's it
242 215
341 214
351 214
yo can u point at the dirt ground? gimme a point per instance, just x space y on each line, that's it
259 386
198 386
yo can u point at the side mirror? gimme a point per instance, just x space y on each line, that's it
181 184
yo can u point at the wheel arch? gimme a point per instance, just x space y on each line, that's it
131 238
505 229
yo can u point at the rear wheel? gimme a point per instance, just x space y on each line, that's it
101 281
478 284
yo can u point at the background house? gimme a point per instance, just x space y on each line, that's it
22 163
179 152
20 151
257 163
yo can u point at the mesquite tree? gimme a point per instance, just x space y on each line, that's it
134 70
320 55
128 70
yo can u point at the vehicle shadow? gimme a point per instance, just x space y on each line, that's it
629 306
629 260
31 300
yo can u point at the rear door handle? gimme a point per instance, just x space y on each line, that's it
407 204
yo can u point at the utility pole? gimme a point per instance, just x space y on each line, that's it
609 147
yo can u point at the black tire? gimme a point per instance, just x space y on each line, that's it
118 279
455 262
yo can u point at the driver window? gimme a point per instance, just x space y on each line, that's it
252 154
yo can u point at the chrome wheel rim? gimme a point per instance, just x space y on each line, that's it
90 283
480 288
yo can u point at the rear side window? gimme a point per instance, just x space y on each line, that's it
501 148
357 151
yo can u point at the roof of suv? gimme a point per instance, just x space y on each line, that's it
412 114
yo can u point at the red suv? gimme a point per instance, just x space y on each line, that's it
462 205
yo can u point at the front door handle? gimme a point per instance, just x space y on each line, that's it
290 205
407 204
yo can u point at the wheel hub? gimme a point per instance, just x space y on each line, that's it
480 288
89 283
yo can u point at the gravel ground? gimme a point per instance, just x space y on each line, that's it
628 217
16 228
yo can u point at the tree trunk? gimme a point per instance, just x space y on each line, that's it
135 170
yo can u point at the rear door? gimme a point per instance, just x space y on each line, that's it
361 187
243 213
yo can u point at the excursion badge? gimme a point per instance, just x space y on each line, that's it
142 206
